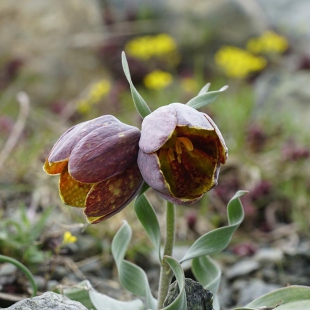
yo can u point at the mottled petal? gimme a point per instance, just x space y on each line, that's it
72 192
54 168
187 116
110 197
178 201
157 128
222 145
99 156
63 147
151 172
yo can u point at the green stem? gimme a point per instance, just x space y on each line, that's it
24 269
165 272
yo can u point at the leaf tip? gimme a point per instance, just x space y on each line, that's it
223 88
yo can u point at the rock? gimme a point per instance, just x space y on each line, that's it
284 92
249 290
291 17
48 301
198 298
242 268
269 255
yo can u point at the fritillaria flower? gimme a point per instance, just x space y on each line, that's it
181 150
97 163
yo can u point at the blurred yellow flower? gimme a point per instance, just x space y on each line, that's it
157 79
268 42
238 63
146 47
189 85
96 93
68 238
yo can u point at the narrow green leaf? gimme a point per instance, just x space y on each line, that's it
293 297
120 243
91 299
23 269
180 302
217 240
207 272
205 98
139 102
205 89
148 219
132 277
80 293
104 302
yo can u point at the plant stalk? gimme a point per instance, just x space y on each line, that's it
165 272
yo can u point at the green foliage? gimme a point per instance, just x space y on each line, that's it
24 269
180 301
204 97
19 237
91 299
139 102
149 221
217 240
288 298
132 277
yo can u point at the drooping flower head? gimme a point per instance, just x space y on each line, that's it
181 150
97 163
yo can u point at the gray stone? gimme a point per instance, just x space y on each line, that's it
242 268
198 298
285 92
48 301
248 291
269 255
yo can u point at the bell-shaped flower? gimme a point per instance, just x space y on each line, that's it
97 163
181 150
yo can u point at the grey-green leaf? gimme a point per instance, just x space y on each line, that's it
80 293
208 273
204 98
180 302
132 277
205 89
104 302
91 299
288 298
141 106
217 240
148 219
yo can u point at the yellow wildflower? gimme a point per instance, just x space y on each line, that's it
96 92
146 47
68 238
99 90
189 85
157 79
268 42
238 63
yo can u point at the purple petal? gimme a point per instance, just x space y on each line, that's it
157 128
187 116
63 147
104 153
151 173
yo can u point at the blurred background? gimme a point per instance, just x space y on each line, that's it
60 64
